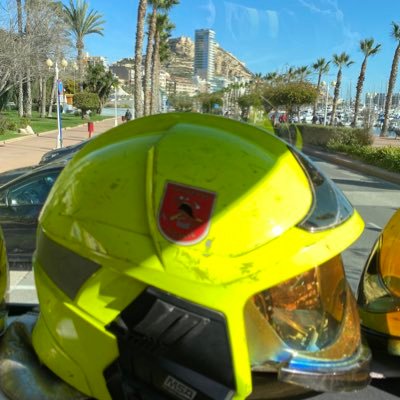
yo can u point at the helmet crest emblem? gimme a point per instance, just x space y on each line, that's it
185 213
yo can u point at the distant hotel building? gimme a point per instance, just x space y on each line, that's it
379 99
94 60
204 52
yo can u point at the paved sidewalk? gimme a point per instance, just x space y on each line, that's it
390 141
28 150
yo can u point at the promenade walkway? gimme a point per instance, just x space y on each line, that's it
28 150
380 142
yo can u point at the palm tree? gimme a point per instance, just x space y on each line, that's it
164 5
322 67
81 23
302 73
161 52
368 49
340 60
290 74
141 15
27 84
392 79
20 76
271 77
255 84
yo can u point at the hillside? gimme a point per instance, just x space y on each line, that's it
180 63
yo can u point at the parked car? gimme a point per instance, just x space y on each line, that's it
8 176
4 283
21 201
56 154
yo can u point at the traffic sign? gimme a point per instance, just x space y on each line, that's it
60 87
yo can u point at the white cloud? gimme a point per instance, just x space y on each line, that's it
273 23
244 22
210 9
314 8
241 20
330 9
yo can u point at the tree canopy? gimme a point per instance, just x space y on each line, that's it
86 101
289 95
99 81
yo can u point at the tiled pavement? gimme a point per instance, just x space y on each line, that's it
28 150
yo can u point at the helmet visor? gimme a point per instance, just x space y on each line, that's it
307 323
306 311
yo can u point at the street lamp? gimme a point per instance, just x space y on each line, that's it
324 84
75 68
115 106
59 88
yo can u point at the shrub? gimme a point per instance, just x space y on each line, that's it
7 124
12 125
384 157
24 122
327 136
86 101
350 137
3 125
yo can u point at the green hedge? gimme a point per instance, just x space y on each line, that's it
384 157
353 141
319 135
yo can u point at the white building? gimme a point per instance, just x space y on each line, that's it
204 52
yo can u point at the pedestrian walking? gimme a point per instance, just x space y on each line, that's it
128 115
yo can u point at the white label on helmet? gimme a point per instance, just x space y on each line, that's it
179 389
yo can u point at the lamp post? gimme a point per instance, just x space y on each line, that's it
324 84
60 90
75 68
115 106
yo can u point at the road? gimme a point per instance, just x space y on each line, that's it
376 201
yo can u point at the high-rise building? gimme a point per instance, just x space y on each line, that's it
204 49
379 99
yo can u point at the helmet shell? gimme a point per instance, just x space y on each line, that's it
109 206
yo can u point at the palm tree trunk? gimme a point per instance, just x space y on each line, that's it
43 89
52 97
154 105
138 58
20 96
148 70
28 84
20 75
336 96
28 95
79 59
317 99
360 84
392 82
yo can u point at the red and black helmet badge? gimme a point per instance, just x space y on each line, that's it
185 213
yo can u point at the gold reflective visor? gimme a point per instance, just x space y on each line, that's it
389 259
308 325
379 290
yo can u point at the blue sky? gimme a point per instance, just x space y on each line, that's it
270 35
